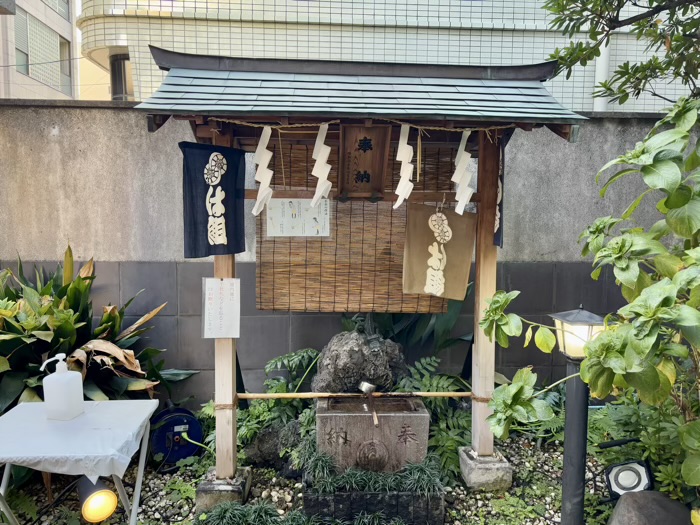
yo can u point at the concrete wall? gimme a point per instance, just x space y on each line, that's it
97 179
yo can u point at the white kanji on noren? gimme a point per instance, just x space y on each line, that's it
216 225
263 175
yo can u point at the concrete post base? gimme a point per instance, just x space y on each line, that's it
211 491
487 473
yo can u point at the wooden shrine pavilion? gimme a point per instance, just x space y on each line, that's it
230 101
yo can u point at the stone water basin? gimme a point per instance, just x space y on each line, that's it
346 430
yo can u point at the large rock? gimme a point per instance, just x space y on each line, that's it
265 451
649 508
352 357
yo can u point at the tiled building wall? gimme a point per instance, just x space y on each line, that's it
495 32
546 287
47 22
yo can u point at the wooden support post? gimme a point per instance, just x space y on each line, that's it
484 355
225 386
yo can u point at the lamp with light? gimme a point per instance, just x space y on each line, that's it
574 329
97 502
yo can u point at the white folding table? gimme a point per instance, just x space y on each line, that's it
99 442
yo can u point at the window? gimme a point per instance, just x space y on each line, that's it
41 53
22 61
21 42
65 65
60 6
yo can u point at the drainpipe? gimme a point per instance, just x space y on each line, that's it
602 69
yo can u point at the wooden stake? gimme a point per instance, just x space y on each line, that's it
483 364
225 386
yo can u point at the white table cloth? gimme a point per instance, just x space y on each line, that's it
99 442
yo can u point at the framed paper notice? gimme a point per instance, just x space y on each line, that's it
296 218
221 308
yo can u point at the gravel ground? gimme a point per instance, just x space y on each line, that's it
534 499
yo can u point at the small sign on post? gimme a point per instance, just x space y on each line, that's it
221 308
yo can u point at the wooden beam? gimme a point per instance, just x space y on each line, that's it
568 132
155 122
225 386
416 196
483 357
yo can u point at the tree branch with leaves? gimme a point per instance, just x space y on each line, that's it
670 29
652 344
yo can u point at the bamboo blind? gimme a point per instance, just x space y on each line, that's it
359 267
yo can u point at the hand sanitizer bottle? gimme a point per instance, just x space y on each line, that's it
63 391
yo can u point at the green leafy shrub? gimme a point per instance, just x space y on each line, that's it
447 435
320 469
546 430
53 314
450 426
415 329
652 344
424 377
365 518
265 514
300 367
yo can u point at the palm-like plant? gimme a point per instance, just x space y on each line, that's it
53 314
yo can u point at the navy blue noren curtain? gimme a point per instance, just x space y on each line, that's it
213 187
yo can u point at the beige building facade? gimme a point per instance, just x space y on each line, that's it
476 32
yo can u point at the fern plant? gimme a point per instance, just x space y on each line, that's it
451 432
424 377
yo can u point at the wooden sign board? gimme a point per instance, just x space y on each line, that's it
364 159
221 308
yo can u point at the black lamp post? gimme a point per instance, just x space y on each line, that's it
574 329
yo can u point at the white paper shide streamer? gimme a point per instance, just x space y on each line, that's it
404 153
465 175
321 167
263 175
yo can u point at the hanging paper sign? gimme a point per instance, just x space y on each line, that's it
221 308
213 196
404 154
298 218
438 251
263 174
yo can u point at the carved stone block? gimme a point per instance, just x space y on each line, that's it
346 430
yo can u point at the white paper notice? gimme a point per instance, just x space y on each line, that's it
296 218
221 318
